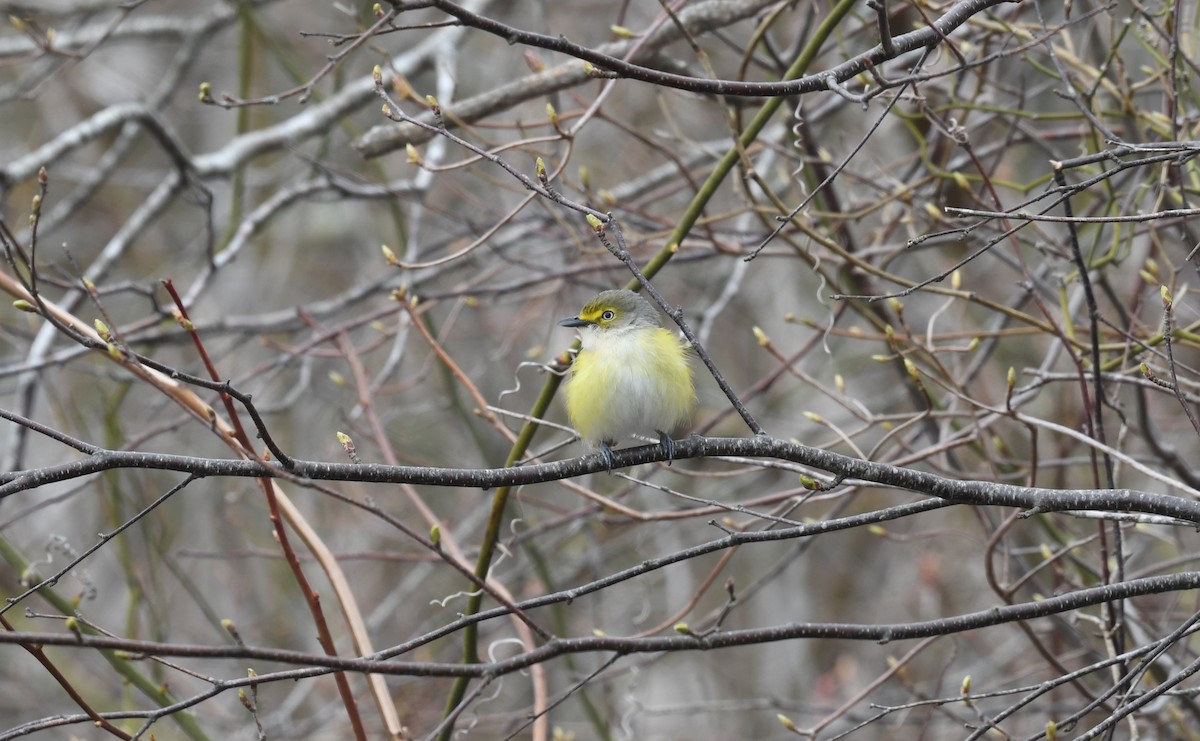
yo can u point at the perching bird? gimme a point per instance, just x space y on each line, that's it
631 376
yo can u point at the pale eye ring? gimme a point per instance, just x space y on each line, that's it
608 315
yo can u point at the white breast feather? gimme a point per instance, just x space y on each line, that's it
638 403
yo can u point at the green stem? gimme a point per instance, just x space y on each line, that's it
690 216
156 692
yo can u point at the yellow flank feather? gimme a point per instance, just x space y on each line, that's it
631 377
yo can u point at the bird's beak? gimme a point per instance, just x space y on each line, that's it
574 322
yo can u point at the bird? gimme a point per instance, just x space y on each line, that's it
631 376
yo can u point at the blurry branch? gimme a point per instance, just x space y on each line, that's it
392 110
1167 332
787 219
125 665
843 468
277 203
695 19
164 380
176 386
75 40
275 505
305 90
1030 693
928 36
1168 215
83 133
685 640
1093 423
1158 153
324 115
35 650
239 151
172 382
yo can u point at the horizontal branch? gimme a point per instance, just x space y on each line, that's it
988 493
631 645
928 36
695 19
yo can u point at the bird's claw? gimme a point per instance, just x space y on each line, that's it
667 444
606 454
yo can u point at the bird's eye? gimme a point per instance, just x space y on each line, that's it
608 315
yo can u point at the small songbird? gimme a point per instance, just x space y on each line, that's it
631 376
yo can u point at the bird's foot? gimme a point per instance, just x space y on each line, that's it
667 444
606 454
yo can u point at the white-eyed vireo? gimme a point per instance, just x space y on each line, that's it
631 376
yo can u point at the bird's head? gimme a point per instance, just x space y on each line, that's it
615 310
